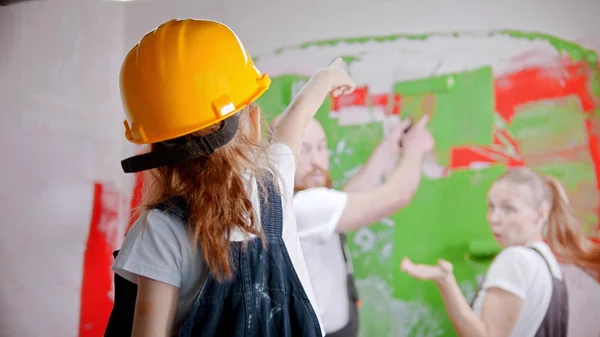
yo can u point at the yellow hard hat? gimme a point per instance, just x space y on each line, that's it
184 76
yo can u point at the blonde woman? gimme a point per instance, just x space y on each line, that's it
523 293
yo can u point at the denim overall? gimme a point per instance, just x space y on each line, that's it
556 320
264 298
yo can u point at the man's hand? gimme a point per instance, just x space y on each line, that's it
418 139
392 141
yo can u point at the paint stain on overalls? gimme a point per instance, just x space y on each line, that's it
264 298
556 319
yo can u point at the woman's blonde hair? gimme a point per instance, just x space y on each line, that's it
564 233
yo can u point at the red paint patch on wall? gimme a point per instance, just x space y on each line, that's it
97 283
356 98
464 157
390 102
534 84
362 97
530 85
594 145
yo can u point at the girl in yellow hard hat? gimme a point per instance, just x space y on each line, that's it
215 251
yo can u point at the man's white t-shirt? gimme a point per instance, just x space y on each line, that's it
318 211
158 246
522 272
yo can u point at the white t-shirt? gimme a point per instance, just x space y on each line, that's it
318 211
523 272
158 245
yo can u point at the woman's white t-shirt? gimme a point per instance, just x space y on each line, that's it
522 272
158 245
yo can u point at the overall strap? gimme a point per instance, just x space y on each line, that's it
174 205
543 258
556 320
532 248
271 212
477 293
346 253
351 283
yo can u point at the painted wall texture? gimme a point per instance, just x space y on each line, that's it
499 99
61 191
66 204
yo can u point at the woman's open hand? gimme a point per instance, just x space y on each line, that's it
438 273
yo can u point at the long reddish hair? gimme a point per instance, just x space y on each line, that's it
216 192
564 233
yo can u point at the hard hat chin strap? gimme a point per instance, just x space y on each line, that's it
170 152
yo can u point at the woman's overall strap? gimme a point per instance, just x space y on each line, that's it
271 212
543 258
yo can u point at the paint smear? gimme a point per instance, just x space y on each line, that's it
97 284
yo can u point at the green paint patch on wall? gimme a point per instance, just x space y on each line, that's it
447 215
548 128
464 108
349 143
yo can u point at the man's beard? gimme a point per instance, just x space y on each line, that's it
328 183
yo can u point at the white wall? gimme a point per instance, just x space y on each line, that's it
264 25
60 123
